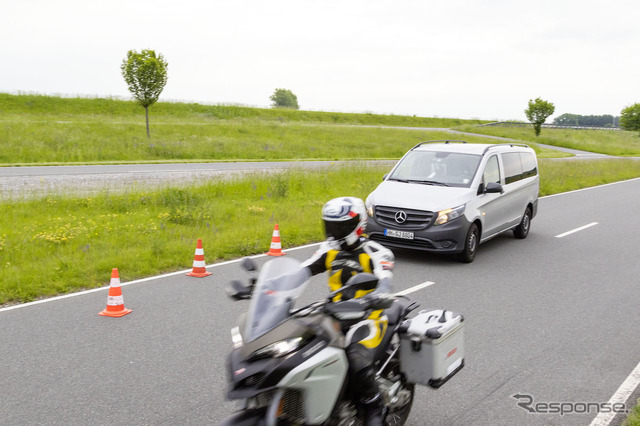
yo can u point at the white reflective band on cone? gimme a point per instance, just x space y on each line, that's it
115 300
199 251
199 263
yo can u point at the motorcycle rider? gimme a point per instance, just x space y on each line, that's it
345 253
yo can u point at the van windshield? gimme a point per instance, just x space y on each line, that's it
437 168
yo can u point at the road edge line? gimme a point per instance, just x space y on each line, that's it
619 397
141 280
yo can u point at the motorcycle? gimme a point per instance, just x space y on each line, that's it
288 365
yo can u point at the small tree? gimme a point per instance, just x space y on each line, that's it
146 75
538 112
630 118
283 98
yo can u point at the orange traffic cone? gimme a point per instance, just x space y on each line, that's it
276 248
198 263
115 302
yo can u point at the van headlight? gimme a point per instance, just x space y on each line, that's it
370 207
448 215
278 349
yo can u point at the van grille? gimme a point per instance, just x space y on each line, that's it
416 219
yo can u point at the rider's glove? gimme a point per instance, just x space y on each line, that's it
379 300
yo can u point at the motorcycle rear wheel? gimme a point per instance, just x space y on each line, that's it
398 415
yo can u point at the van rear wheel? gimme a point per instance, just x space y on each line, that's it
522 230
470 245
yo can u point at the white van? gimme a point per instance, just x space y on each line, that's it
450 196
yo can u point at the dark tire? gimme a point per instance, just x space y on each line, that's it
471 243
522 230
397 416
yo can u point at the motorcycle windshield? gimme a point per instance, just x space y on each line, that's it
279 284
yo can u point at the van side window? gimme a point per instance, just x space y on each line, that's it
512 167
529 167
491 171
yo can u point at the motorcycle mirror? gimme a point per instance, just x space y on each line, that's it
238 291
248 264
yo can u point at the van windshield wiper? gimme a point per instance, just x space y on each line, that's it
428 182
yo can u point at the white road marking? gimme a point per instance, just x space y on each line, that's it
142 280
577 230
619 397
414 288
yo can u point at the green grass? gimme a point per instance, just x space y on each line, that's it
634 417
52 130
561 176
37 129
41 107
62 244
82 109
611 142
36 142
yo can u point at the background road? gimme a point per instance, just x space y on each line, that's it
556 318
20 182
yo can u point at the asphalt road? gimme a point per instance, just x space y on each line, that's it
106 169
36 181
554 318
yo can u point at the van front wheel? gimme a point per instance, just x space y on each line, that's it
522 230
470 245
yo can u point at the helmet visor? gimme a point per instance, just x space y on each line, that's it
340 229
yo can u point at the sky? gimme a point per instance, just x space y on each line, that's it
448 58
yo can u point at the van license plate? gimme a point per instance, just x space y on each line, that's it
398 234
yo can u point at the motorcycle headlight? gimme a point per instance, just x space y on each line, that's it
279 349
448 215
236 337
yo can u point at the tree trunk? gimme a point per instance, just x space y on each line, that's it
146 114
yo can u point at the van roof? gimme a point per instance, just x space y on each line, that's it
467 148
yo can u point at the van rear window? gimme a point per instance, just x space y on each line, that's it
512 167
518 165
529 166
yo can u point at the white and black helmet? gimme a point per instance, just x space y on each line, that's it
345 220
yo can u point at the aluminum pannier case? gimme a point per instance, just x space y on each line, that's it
432 347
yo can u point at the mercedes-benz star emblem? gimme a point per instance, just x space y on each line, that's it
401 216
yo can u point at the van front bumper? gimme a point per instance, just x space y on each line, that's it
447 238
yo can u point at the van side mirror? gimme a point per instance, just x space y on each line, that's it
493 188
385 176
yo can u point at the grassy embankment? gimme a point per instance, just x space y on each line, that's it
611 142
49 130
